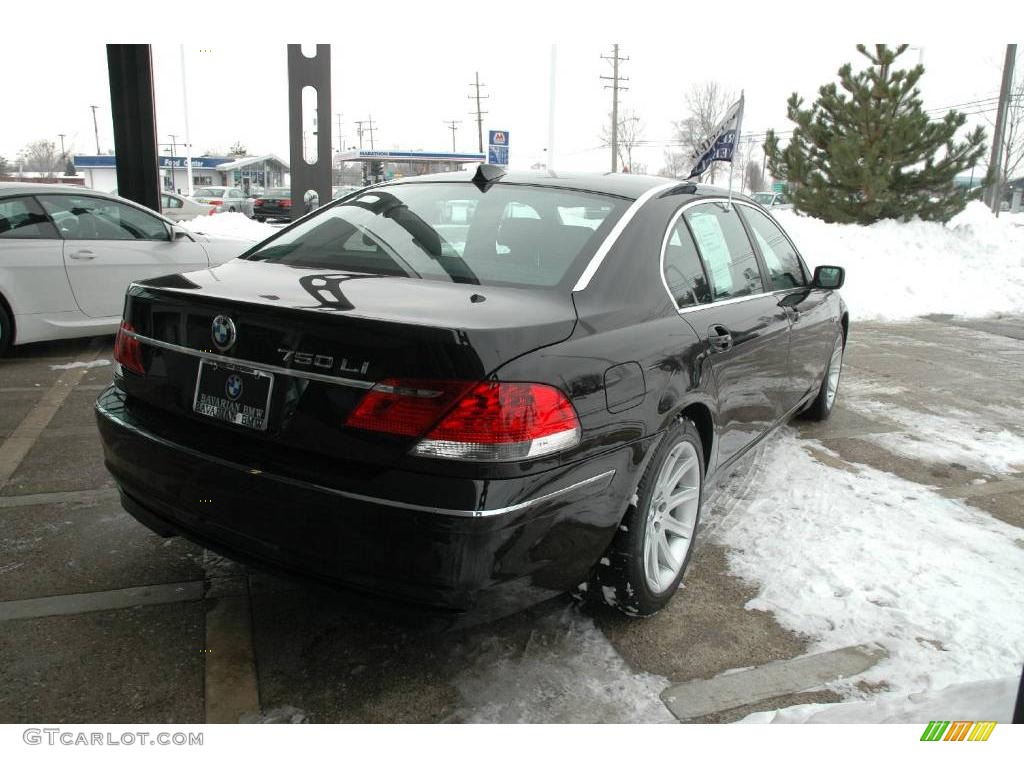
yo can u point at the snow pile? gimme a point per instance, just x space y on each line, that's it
233 225
853 555
567 673
987 700
973 266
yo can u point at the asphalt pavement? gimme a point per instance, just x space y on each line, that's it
103 621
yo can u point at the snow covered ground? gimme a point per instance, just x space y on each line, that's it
230 225
973 266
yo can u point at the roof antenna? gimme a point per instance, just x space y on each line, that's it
486 175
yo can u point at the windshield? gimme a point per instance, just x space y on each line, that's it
513 234
209 192
278 192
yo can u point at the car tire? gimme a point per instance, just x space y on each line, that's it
260 219
644 565
821 408
6 330
232 209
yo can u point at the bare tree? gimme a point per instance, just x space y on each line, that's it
1013 138
238 149
707 104
41 156
3 165
631 131
675 164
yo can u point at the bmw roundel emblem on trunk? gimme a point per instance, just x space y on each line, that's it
233 386
223 332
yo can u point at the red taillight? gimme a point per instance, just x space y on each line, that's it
406 407
286 203
257 202
216 202
128 350
489 421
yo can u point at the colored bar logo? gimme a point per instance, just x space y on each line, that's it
958 730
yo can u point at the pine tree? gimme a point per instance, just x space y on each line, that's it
872 152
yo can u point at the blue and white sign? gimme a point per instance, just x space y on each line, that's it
721 144
497 147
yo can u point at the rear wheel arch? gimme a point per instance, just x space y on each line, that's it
845 321
700 414
5 307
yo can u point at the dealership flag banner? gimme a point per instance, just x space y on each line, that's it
721 144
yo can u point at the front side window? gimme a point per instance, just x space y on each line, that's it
779 256
512 234
22 218
171 202
684 274
80 217
726 250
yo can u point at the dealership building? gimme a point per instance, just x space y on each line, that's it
247 173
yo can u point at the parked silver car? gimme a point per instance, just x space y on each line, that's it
180 208
224 199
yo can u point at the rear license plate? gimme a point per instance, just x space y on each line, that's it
233 393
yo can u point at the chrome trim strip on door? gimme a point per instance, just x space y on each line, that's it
239 361
620 225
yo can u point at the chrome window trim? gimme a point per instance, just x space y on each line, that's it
241 361
719 302
617 230
605 476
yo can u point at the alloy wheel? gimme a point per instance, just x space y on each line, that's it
672 516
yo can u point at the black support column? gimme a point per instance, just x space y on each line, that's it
132 110
314 72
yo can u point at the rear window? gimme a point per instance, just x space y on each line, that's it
513 234
209 192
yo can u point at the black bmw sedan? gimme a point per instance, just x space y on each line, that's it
472 389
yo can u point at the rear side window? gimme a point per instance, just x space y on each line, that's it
97 218
684 274
726 251
22 218
779 256
512 234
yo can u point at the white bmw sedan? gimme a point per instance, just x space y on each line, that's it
67 255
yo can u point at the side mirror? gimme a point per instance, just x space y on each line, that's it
829 278
180 233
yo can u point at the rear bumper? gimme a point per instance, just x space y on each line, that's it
550 530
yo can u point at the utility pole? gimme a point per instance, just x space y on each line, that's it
996 161
615 78
174 152
63 158
95 126
479 115
341 144
370 129
453 127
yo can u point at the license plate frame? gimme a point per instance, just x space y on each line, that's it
220 407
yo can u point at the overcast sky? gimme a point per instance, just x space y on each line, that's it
414 77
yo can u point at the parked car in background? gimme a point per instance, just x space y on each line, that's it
531 406
67 255
777 200
274 203
225 199
180 208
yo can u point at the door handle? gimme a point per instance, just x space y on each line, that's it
719 338
83 255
